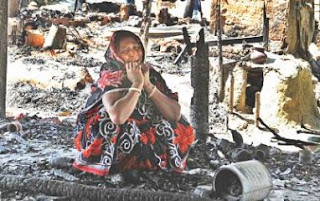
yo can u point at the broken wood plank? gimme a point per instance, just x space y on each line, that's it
238 40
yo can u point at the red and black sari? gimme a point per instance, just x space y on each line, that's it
145 141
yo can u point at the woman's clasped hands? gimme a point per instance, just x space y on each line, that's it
138 75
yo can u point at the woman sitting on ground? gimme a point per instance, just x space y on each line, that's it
132 119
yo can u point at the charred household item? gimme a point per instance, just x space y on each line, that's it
56 38
240 154
35 38
126 10
11 127
258 56
262 152
249 180
305 157
162 11
14 126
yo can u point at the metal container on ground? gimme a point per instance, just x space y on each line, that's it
14 126
248 180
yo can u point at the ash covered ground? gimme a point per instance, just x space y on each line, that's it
44 148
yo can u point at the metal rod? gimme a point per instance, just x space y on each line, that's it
257 105
75 5
231 92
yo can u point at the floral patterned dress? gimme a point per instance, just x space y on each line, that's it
145 141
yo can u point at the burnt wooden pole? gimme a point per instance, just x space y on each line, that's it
265 27
222 70
200 83
3 55
146 22
301 28
75 5
257 105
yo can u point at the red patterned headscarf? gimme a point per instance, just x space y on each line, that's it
115 39
113 71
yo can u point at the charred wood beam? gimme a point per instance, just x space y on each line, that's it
221 67
3 56
200 83
186 39
85 192
265 27
308 130
146 22
232 41
231 92
286 141
187 48
75 5
301 28
180 55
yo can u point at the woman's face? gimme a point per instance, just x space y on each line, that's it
130 50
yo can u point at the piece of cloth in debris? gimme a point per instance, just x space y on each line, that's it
145 141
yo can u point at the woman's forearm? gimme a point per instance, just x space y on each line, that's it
120 109
169 108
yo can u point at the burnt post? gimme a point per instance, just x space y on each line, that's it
231 92
187 48
222 70
187 40
200 82
301 28
3 55
265 27
146 22
257 105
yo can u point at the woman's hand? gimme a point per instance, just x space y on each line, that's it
134 74
147 83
